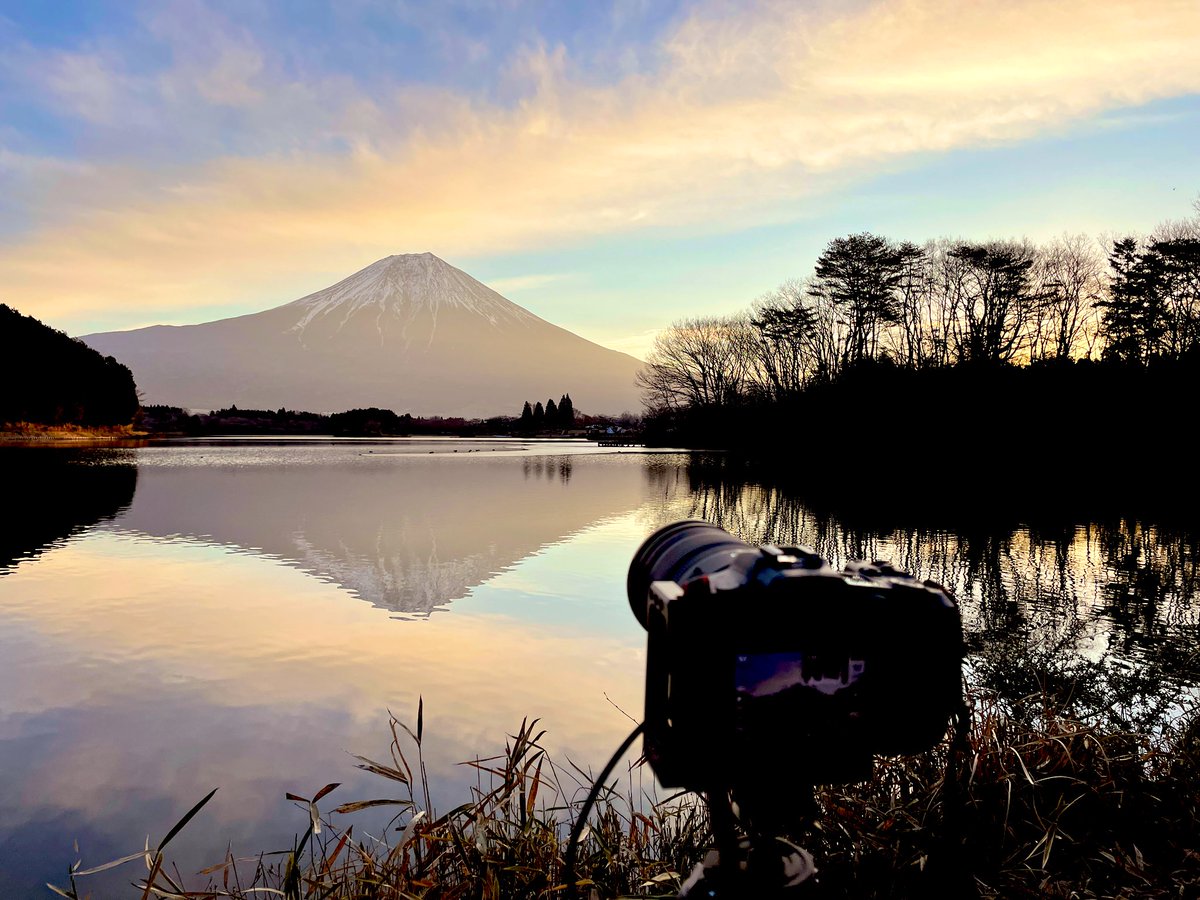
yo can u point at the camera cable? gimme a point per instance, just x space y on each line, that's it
593 795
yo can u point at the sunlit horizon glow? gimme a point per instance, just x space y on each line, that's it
610 170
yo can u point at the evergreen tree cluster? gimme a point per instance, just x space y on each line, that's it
1152 311
48 378
552 415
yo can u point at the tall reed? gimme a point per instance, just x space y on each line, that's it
1032 802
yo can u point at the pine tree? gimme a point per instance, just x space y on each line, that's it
527 416
1152 309
539 415
551 412
566 411
859 274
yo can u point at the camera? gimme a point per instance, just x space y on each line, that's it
767 664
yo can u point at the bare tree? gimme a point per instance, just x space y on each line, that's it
698 362
1069 280
989 292
911 340
1178 262
785 340
1179 229
941 300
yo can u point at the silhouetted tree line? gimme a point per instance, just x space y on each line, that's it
368 422
551 416
175 420
351 423
974 338
49 378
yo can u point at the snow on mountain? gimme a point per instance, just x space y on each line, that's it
405 286
409 332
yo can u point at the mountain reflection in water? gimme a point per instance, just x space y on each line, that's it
408 533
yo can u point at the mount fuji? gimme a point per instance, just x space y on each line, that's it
409 333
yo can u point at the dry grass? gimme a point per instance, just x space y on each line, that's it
34 431
1043 807
1038 805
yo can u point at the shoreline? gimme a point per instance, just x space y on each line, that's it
26 432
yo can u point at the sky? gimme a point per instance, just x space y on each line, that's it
611 166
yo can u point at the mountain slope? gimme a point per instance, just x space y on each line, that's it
409 332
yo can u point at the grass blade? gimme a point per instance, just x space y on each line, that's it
104 867
187 818
356 805
325 790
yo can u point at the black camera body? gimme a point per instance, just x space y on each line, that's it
765 662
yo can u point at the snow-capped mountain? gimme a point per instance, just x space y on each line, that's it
409 333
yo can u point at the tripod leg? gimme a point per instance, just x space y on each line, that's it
719 874
724 826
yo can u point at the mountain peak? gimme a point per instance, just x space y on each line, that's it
406 286
408 259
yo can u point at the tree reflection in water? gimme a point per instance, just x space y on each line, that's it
1094 616
52 493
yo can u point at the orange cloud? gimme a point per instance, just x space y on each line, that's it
749 113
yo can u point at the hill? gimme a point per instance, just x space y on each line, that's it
49 378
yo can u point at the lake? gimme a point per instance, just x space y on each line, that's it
243 614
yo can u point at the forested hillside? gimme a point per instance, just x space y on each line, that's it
48 378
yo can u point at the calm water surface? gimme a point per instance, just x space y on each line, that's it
243 614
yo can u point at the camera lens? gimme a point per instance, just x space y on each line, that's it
673 553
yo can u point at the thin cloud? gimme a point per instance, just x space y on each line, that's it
518 283
637 345
743 116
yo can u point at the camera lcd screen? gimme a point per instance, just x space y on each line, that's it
771 684
763 674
